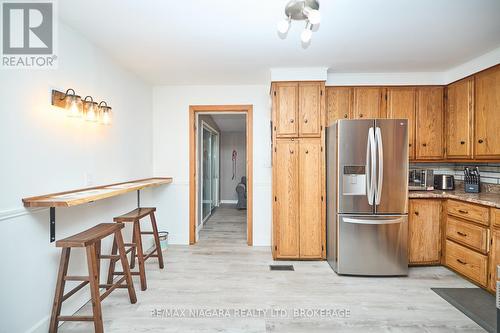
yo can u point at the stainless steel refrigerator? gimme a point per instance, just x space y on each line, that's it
367 196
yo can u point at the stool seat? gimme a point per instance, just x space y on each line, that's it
135 215
90 236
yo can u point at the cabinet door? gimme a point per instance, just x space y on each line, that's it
459 109
487 117
494 259
286 104
368 102
286 198
424 241
429 133
338 104
310 109
401 104
310 180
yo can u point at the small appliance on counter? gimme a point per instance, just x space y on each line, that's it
420 180
444 182
472 180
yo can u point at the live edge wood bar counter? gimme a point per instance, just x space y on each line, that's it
456 229
91 194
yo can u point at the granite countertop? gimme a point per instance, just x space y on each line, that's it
491 199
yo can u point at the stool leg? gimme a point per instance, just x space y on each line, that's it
98 257
112 263
140 255
133 252
94 288
157 240
56 307
126 268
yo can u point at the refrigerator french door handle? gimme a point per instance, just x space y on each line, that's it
367 221
370 166
380 148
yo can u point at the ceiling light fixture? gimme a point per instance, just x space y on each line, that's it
299 10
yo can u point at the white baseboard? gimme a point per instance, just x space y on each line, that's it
229 201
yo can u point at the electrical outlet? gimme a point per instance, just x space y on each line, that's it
88 179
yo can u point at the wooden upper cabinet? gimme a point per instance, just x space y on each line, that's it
310 108
286 193
429 123
401 104
459 109
369 102
286 96
338 104
487 116
310 207
424 242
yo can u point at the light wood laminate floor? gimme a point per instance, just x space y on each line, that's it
221 273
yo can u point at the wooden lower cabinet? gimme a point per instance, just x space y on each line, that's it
286 199
424 223
310 198
467 262
298 214
494 259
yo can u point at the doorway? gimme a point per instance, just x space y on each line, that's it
204 179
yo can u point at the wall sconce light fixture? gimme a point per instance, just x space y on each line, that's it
78 108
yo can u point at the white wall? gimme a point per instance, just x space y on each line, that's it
171 151
42 151
232 141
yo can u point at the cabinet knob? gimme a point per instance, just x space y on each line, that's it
360 115
305 120
463 211
291 151
424 144
307 151
416 213
462 262
480 141
345 115
462 142
291 120
409 145
461 234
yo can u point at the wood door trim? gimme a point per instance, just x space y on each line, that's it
196 109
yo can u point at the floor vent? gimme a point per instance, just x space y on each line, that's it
281 268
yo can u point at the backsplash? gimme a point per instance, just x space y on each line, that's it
490 172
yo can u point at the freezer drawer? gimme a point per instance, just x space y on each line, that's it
372 245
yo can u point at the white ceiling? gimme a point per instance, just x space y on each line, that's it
236 41
230 122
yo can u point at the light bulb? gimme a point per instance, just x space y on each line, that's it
91 114
74 110
313 15
306 35
283 26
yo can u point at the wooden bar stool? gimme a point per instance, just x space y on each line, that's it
91 240
136 246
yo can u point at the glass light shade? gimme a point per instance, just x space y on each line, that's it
91 113
283 26
306 35
106 116
313 15
73 105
